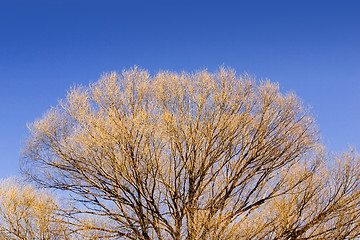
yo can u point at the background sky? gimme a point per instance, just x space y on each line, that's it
309 47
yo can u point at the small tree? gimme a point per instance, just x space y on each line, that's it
28 213
188 156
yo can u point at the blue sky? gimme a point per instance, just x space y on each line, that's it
309 47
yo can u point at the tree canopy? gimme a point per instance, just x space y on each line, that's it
193 156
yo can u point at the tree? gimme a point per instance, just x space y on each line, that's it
27 213
191 156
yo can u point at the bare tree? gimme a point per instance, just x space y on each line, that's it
27 213
186 156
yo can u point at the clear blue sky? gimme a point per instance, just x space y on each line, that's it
310 47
